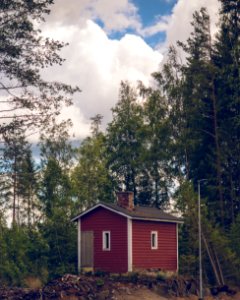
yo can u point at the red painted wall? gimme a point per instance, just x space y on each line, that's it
99 220
165 257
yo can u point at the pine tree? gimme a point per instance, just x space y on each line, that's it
24 52
57 204
27 190
14 154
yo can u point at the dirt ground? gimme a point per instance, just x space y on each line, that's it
146 294
149 295
73 287
143 294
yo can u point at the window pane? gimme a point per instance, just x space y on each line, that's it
154 240
107 240
106 243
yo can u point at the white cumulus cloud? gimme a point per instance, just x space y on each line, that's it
161 25
115 15
179 26
97 64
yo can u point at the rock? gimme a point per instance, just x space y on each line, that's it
160 289
103 295
206 292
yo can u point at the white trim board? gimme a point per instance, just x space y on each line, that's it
96 206
79 246
129 241
177 248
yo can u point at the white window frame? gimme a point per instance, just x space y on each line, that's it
104 241
155 235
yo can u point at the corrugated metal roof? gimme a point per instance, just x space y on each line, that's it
139 212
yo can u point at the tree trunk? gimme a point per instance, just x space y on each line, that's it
14 191
232 199
29 209
219 267
218 153
211 258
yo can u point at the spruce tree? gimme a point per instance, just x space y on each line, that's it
225 58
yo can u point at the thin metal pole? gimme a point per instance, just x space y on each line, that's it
200 243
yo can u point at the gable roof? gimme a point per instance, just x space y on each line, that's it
139 213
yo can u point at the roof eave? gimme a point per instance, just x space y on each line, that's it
124 215
96 206
158 220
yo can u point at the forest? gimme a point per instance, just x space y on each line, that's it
162 142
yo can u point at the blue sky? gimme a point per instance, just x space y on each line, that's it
149 12
149 9
110 41
114 40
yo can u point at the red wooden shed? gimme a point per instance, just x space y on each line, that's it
121 237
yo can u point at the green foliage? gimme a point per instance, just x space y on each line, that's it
23 55
235 237
188 232
160 142
203 96
226 57
60 235
155 157
56 196
162 276
137 143
55 189
133 277
27 189
100 273
90 178
100 282
23 253
24 52
55 145
17 180
234 241
124 140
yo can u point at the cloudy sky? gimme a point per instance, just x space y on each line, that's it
114 40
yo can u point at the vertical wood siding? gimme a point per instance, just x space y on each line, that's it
99 220
87 249
165 257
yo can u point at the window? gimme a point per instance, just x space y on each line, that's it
154 240
106 240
